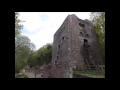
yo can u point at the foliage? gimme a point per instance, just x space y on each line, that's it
24 50
23 46
18 26
98 19
45 54
37 58
41 56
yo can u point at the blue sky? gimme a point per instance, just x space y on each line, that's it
41 26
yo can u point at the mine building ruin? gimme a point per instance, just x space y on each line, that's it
75 46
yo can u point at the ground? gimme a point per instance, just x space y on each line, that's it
88 74
32 75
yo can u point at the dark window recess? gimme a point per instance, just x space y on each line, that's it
57 57
58 46
85 42
63 38
81 25
87 35
80 32
55 61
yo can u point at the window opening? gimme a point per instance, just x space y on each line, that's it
81 25
85 42
63 38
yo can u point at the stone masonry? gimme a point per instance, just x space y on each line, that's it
75 46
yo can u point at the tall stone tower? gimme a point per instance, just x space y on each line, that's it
75 45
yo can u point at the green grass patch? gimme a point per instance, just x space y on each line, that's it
21 76
89 73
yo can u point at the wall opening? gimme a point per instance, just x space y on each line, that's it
85 42
55 61
57 57
59 46
80 32
81 25
87 35
63 38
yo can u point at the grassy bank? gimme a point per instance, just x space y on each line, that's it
89 73
21 76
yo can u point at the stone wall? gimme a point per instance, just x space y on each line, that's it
75 45
46 72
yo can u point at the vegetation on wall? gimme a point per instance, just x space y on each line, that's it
98 19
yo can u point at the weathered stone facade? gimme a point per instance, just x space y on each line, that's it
75 45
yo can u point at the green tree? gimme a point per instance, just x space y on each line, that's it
98 19
23 48
18 26
33 61
44 54
23 45
38 58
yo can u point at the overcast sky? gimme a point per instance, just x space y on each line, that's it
41 26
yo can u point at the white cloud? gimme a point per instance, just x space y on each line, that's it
41 26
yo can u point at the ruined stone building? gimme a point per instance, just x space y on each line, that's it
75 46
46 71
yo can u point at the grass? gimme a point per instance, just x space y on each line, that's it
21 76
89 73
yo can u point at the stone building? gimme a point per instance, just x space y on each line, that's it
46 71
75 46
